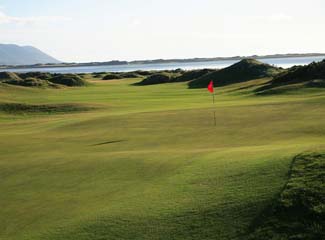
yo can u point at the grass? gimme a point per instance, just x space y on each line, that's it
19 108
299 213
242 71
147 162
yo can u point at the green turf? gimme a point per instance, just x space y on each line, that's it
299 212
147 162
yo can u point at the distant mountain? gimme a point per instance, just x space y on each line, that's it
11 54
244 70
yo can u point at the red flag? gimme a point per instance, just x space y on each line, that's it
210 87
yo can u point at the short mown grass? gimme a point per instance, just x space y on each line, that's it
149 162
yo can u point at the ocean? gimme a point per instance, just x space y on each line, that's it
280 62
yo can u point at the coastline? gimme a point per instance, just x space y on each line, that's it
159 61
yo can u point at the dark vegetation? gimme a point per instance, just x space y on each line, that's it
312 75
40 79
19 108
191 75
297 74
242 71
98 74
177 75
157 78
131 75
26 79
31 82
112 76
121 75
71 80
299 212
143 73
5 76
39 75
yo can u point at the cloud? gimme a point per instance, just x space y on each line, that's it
276 18
136 22
6 19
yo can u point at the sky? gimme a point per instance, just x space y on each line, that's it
103 30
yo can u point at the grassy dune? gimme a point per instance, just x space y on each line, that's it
146 162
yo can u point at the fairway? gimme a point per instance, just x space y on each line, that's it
147 162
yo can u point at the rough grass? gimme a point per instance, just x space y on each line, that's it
111 76
71 80
19 108
150 164
9 76
299 213
242 71
160 78
39 79
311 75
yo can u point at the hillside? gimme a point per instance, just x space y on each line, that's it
11 54
40 79
299 211
311 75
174 76
242 71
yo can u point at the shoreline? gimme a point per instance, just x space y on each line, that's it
159 61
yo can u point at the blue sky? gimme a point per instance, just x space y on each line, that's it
100 30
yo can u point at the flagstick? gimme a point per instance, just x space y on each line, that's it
211 90
214 112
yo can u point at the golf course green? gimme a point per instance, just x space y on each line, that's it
116 160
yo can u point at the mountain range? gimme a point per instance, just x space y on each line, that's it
11 54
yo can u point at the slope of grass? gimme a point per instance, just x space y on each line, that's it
39 79
149 163
4 76
175 76
242 71
162 77
311 75
315 70
299 213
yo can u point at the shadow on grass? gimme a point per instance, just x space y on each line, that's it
108 142
298 212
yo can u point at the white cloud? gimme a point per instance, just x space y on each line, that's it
5 19
276 18
136 22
